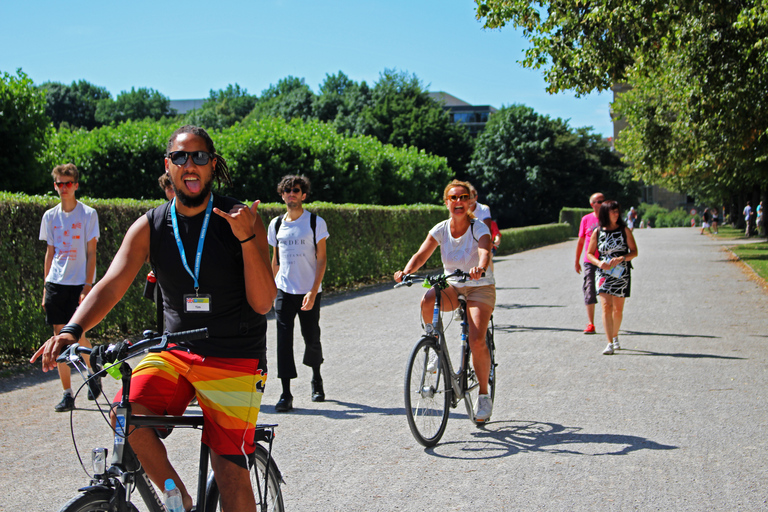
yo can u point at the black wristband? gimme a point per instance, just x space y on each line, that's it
248 239
73 329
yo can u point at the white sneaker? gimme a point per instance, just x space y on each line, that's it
616 345
484 408
432 364
608 350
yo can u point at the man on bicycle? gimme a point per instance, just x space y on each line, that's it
211 260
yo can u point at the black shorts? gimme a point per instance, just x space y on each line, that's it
61 301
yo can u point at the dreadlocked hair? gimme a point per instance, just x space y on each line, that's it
221 170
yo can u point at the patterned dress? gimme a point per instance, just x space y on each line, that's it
612 244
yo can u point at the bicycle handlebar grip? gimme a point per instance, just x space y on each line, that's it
196 334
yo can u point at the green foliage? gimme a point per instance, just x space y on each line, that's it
697 116
141 103
527 166
521 239
290 99
659 217
223 108
73 105
121 160
573 217
24 128
341 169
755 256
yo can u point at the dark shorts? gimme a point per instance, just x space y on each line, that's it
590 292
61 301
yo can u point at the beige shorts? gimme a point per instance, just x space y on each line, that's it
485 294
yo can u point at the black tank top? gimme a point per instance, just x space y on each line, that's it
234 328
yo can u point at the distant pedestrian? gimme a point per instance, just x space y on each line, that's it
747 219
587 226
631 218
298 264
759 222
715 220
616 248
71 230
706 221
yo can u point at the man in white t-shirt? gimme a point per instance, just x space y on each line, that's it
71 230
298 263
481 211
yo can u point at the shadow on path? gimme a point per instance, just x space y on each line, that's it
504 438
634 352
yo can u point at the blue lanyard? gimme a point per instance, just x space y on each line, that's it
200 242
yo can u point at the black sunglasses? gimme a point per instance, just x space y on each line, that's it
198 157
288 190
64 184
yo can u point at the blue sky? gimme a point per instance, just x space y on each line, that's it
186 49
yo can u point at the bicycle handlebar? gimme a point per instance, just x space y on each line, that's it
440 280
126 350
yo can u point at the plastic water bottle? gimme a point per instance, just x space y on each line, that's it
173 497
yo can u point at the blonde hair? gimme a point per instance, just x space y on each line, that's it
464 184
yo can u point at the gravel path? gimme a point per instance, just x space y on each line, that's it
675 421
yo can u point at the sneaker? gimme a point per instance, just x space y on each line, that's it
432 364
608 350
484 408
67 403
616 345
94 387
590 329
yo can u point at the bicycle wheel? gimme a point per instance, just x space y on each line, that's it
427 401
473 386
270 500
95 501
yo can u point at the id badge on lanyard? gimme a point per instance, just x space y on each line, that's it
197 302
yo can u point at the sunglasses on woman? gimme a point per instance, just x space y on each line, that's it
462 197
198 157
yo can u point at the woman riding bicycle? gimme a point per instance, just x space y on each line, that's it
464 245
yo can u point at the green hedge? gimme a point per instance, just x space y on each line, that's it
521 239
573 217
367 244
125 160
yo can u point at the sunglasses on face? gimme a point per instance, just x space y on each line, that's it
599 202
198 157
288 190
462 197
64 184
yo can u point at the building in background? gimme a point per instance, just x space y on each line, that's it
473 117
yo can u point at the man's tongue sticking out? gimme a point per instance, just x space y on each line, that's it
193 185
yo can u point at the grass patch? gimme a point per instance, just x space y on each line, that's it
755 255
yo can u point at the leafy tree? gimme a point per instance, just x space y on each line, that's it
341 102
137 104
697 113
24 128
73 104
223 108
290 98
528 166
402 113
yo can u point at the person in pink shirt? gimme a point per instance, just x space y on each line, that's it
588 224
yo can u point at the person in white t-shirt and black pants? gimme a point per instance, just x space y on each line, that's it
298 263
